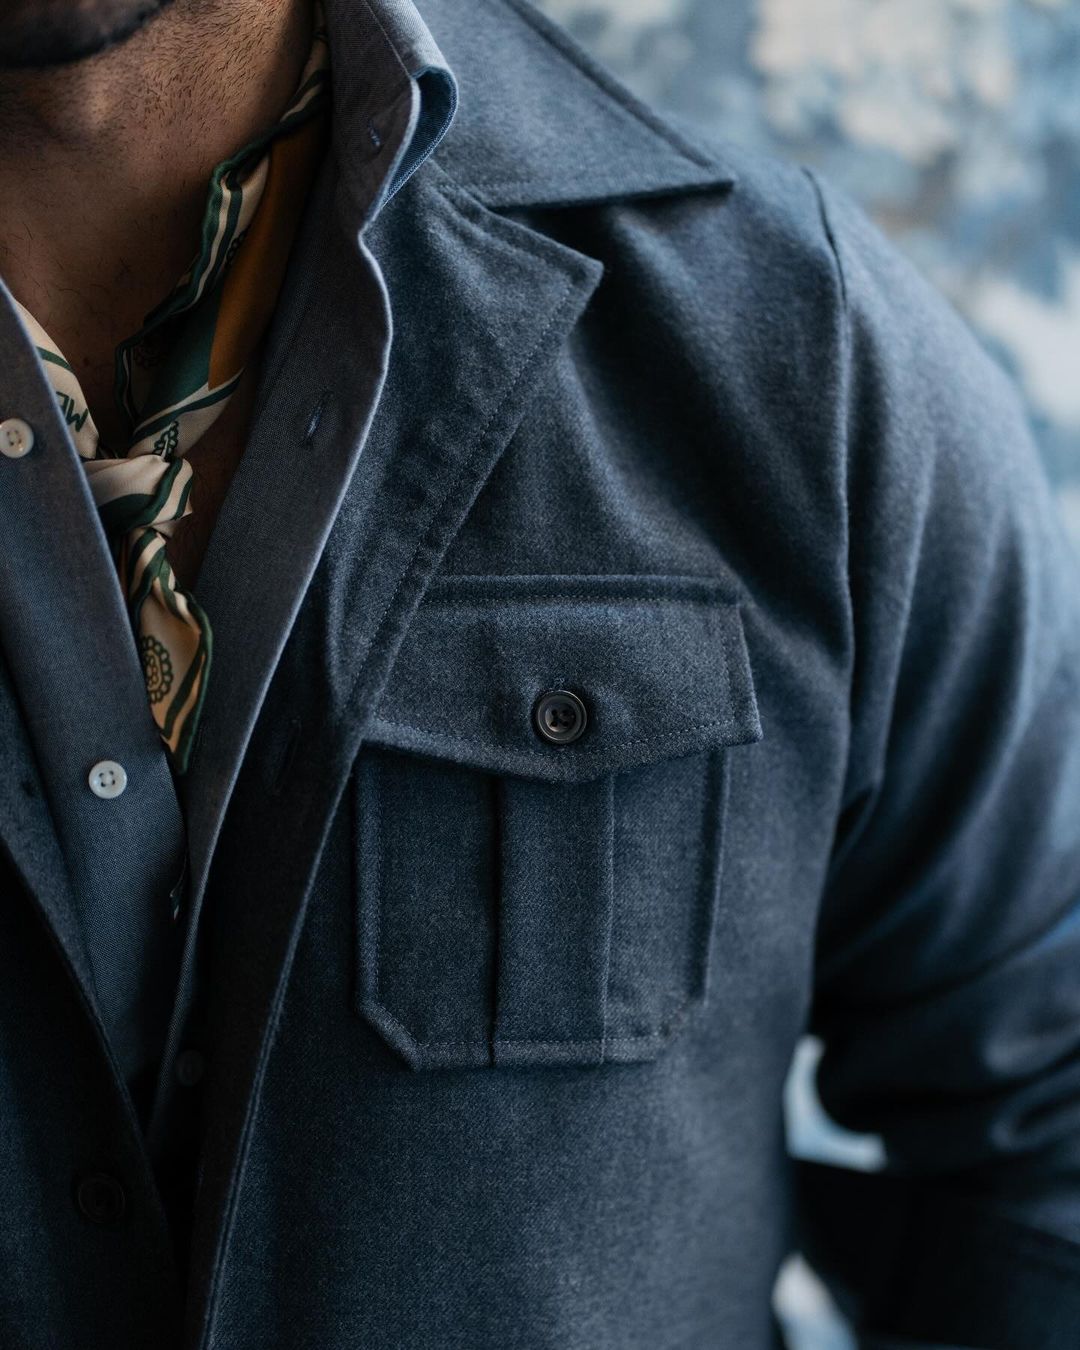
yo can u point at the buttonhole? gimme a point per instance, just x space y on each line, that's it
287 756
315 418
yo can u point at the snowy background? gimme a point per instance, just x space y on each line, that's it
957 124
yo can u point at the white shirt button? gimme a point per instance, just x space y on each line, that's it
16 438
107 778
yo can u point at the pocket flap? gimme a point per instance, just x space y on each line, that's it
659 662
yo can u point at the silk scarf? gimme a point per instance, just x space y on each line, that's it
174 378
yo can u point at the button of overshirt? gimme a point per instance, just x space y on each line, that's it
107 778
16 438
101 1199
560 716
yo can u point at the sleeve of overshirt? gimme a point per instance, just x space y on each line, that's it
947 981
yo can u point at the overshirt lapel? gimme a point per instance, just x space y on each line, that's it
481 305
257 566
86 585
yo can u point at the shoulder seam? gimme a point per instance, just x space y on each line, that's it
846 357
829 233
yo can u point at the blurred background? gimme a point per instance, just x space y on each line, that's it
956 123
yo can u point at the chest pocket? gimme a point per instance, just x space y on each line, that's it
539 818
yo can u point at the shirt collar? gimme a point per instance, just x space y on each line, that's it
394 96
541 124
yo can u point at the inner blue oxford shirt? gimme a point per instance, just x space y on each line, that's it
140 858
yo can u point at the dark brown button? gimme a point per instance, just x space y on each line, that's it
559 716
100 1198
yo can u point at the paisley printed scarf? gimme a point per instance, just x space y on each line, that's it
174 378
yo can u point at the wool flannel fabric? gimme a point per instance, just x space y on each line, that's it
174 378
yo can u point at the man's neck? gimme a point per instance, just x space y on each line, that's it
104 166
